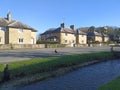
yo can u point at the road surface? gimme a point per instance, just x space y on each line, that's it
17 55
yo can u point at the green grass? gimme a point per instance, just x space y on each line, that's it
40 65
113 85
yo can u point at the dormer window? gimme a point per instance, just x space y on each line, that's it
20 30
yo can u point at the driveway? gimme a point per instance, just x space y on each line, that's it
17 55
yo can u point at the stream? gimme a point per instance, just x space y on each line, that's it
85 78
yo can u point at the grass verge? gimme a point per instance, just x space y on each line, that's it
41 66
113 85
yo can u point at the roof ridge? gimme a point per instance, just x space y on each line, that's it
12 23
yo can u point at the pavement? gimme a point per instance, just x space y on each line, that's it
7 56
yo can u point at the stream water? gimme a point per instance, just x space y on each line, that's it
86 78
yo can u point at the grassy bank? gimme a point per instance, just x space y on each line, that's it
113 85
40 66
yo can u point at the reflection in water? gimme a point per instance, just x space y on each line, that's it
86 78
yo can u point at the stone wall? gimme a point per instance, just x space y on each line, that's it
30 46
21 46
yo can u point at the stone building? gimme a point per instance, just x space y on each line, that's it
61 35
81 37
93 36
15 32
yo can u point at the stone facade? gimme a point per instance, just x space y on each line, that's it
68 38
93 36
15 35
63 35
2 36
72 37
16 32
60 35
81 37
98 38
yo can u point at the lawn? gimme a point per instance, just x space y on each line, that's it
40 65
113 85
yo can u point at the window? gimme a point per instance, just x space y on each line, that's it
65 41
55 39
2 28
20 30
20 40
82 41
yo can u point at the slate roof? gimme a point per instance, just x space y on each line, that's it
58 30
104 35
52 37
15 24
79 32
93 33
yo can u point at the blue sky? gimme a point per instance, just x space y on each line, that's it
45 14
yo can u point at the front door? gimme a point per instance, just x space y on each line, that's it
32 40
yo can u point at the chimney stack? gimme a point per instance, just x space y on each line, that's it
9 18
62 25
72 27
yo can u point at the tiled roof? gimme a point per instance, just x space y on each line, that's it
13 23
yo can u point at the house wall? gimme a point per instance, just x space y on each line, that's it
68 39
7 36
82 39
98 38
56 34
2 36
33 36
15 34
106 39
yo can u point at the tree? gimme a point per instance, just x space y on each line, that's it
92 28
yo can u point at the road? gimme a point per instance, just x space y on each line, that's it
7 56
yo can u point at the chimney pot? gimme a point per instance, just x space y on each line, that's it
72 27
9 16
62 25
